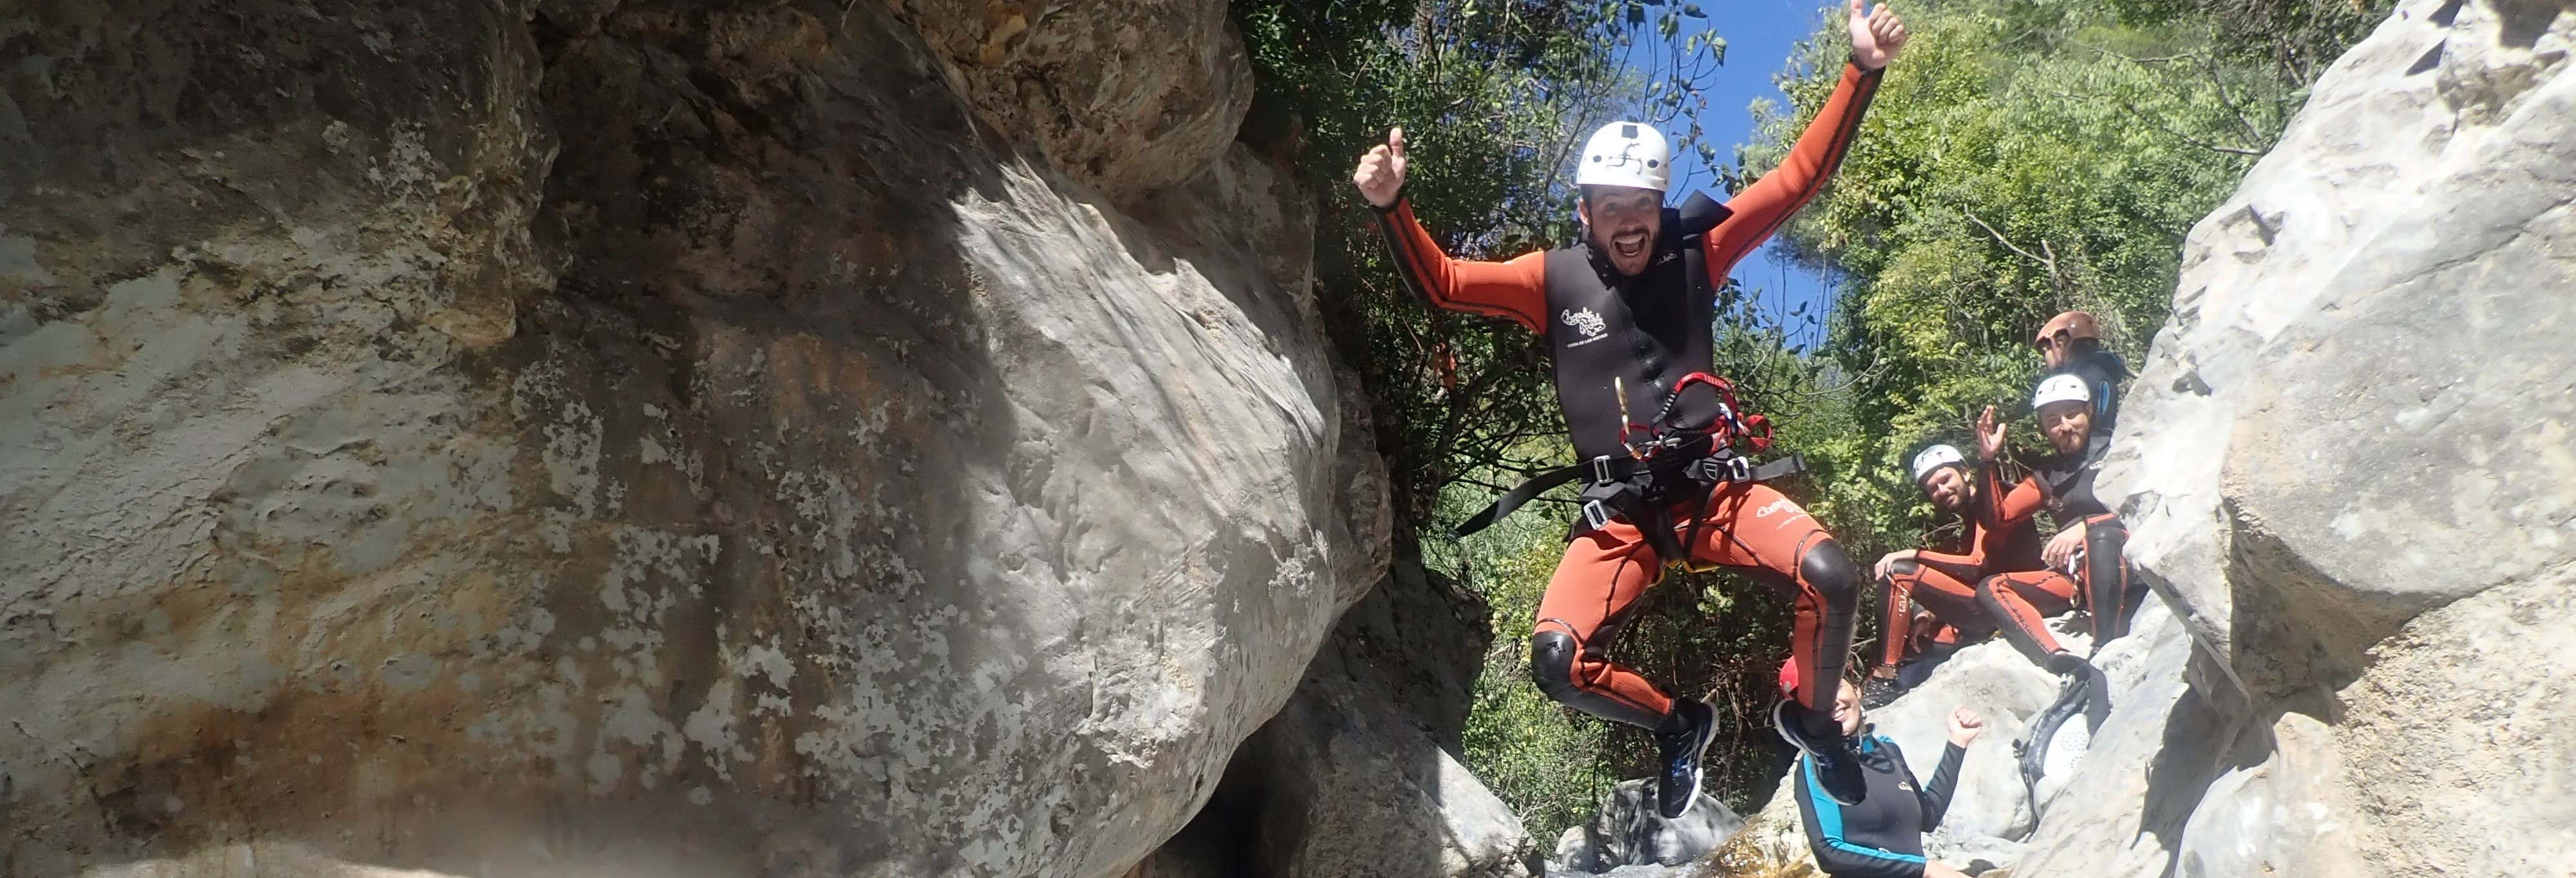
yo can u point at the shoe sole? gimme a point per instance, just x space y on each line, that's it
1780 726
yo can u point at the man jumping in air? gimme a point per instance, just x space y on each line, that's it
1627 316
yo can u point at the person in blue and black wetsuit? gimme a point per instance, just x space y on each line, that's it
1882 836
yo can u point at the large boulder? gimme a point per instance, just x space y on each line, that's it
2348 464
2360 409
1357 775
645 438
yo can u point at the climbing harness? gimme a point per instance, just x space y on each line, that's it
1663 463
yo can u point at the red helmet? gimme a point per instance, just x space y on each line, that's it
1789 678
2073 324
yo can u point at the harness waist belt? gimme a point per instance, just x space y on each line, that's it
1611 484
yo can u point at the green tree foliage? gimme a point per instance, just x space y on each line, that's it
2025 157
1494 98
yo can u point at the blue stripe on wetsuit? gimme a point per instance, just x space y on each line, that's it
1829 816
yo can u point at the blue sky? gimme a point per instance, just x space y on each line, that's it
1758 36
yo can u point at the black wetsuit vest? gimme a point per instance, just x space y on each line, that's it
1882 836
2068 478
1643 333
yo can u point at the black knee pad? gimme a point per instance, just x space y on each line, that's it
1829 570
2107 582
1902 567
2105 540
1552 656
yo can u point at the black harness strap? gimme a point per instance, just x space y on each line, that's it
1624 471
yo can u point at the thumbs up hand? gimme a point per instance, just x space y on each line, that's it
1380 176
1876 36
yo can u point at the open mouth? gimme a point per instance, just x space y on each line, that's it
1630 243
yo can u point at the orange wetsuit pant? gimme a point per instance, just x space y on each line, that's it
1746 527
2022 602
1938 590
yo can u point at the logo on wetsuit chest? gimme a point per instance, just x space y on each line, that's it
1585 321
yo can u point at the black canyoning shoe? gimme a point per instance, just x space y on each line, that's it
1685 734
2064 664
1837 767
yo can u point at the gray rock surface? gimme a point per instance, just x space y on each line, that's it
2348 461
2360 409
629 438
1356 777
1990 811
1628 831
1125 97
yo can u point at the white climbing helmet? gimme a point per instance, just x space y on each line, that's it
2060 388
1936 457
1626 154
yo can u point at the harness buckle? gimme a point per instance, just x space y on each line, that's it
1737 467
1601 470
1597 515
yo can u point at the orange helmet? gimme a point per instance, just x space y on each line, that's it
2073 324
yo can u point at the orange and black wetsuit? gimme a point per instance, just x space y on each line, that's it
1653 328
2022 602
2003 537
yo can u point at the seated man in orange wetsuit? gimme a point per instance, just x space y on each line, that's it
2002 537
2089 545
1627 326
2003 542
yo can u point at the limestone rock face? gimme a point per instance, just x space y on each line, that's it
1127 97
1356 777
2349 463
630 438
2362 407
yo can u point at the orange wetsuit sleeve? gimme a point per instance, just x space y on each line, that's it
1765 206
1991 522
2019 505
1516 290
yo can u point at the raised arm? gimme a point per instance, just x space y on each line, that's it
2018 504
1515 290
1965 725
1765 206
